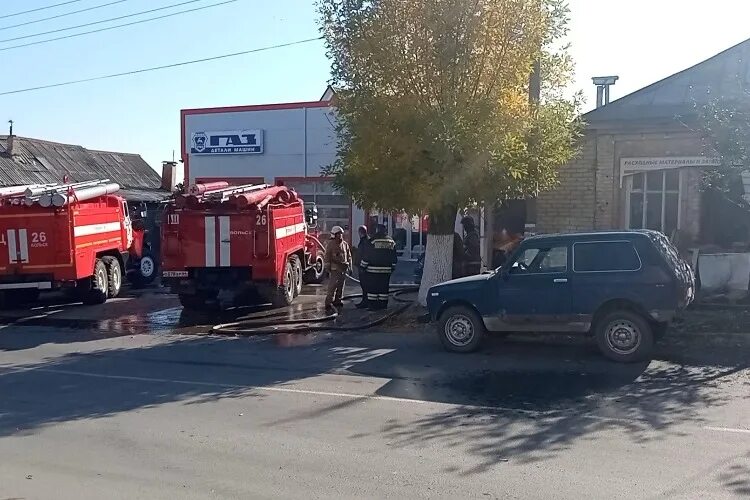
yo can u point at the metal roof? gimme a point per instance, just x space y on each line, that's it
726 74
39 161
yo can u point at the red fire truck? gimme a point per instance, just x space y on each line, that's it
64 236
220 243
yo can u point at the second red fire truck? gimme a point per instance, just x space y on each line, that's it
220 243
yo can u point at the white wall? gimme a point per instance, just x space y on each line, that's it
291 149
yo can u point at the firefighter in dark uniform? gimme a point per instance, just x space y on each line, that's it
363 252
381 261
472 253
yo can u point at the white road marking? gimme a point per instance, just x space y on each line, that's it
344 395
727 429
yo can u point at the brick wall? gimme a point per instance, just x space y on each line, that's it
589 196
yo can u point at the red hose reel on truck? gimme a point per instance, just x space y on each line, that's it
224 244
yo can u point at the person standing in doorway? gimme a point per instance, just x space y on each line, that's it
472 252
381 263
338 260
363 252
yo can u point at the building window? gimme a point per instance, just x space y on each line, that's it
334 209
653 201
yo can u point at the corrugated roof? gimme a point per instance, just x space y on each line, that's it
726 74
39 161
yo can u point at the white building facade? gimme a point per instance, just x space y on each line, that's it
289 142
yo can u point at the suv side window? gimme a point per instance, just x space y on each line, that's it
541 261
605 256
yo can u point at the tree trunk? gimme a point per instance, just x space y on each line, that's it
438 261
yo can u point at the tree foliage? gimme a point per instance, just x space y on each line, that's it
725 125
433 100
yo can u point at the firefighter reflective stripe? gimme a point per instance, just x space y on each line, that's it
379 270
23 244
225 244
210 242
12 249
373 296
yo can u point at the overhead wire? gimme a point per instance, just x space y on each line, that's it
68 28
64 14
83 33
166 66
4 16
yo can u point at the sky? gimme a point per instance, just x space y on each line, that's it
641 41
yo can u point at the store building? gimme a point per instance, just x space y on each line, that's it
641 160
289 142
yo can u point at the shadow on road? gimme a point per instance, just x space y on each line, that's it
518 400
554 395
736 478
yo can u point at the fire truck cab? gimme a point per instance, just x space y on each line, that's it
221 244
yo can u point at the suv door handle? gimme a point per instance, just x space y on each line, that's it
560 280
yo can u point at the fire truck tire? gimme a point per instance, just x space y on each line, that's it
114 276
96 292
296 274
145 271
283 295
316 274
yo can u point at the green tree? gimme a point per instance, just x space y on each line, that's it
725 126
433 106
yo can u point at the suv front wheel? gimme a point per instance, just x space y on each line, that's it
625 337
460 329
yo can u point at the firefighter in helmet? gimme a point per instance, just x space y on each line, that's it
363 251
338 260
381 262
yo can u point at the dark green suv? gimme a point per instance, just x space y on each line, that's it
622 287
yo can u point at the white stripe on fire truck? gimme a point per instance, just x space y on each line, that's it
283 232
23 244
12 250
210 242
90 229
225 244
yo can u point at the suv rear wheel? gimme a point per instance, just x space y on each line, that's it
460 329
625 337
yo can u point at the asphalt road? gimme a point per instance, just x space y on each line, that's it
107 413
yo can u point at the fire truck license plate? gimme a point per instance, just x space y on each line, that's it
174 274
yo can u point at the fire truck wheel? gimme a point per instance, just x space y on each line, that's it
145 271
296 274
97 289
283 295
114 276
316 274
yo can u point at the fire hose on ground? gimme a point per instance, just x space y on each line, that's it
269 325
264 325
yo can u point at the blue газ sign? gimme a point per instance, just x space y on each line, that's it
227 142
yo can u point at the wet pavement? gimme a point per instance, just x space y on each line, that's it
154 311
133 399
